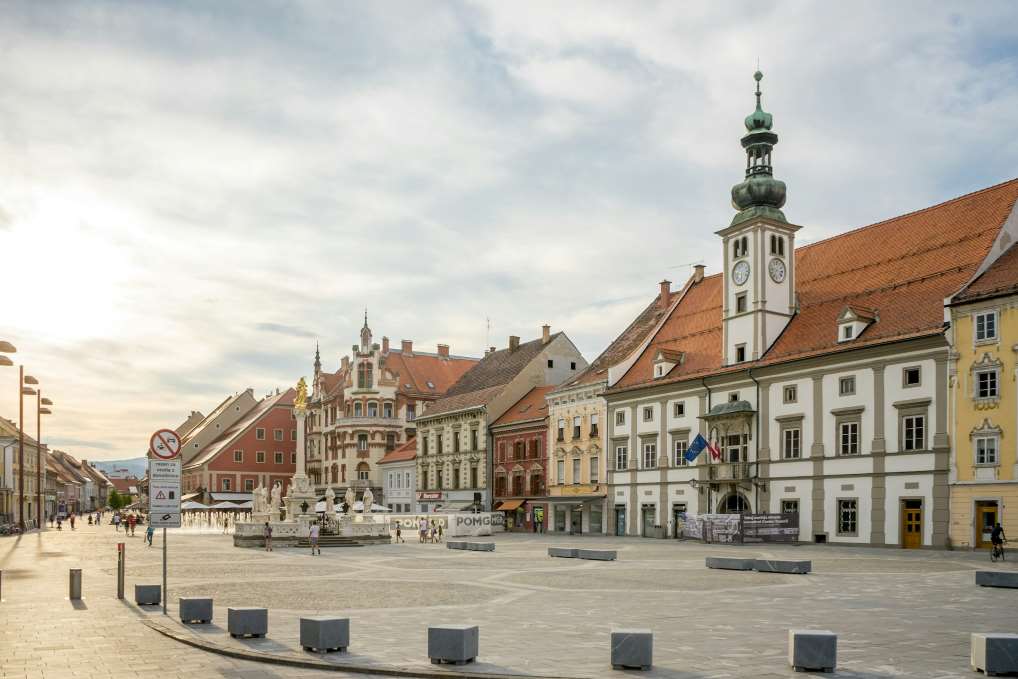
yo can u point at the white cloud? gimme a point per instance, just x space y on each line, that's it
190 195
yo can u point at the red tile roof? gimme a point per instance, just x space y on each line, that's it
405 452
624 344
1000 279
419 370
903 268
531 407
250 419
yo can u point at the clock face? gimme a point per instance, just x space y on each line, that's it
740 274
776 269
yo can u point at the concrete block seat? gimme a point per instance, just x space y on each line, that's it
563 552
194 609
324 634
632 649
730 563
481 546
244 622
455 544
812 650
148 595
995 653
456 644
597 554
775 566
997 579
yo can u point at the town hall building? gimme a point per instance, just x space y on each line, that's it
818 373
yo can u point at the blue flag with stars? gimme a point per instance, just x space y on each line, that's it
695 448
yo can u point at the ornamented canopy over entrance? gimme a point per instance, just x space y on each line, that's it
730 419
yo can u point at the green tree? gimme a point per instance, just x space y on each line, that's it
116 500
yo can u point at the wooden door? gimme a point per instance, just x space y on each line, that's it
912 524
986 519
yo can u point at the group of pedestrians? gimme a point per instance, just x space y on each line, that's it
428 530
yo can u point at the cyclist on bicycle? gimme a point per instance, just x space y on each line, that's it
997 536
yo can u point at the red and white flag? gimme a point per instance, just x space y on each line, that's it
715 452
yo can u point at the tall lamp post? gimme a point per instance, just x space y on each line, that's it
8 348
25 391
39 412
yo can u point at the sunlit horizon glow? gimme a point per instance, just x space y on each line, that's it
193 195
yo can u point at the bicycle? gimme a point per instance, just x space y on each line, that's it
997 551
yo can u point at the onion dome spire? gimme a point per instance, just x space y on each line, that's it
760 194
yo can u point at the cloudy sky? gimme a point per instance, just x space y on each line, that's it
193 193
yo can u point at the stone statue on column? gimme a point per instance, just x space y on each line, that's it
330 503
349 498
368 500
277 492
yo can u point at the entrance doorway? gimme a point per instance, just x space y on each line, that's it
576 520
911 524
986 519
620 519
678 518
648 513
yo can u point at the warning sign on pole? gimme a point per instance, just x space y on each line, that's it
164 479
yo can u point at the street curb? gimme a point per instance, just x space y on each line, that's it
313 664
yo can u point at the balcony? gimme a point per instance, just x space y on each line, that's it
731 471
365 421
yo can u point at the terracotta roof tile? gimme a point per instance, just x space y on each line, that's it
404 453
1000 279
624 344
902 268
427 373
531 407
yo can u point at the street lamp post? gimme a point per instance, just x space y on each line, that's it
24 391
8 348
39 412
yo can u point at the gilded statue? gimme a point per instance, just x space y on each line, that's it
300 401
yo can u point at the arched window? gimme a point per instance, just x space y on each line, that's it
335 474
734 504
363 471
342 473
372 409
358 409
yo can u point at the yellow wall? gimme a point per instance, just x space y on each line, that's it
969 414
971 482
586 445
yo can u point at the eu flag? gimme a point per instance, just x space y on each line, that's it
695 448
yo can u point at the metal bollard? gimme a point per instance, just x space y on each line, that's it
121 563
75 585
1 586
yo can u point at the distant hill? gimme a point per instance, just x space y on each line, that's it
137 466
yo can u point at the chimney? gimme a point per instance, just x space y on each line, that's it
408 347
443 350
666 293
698 273
345 362
514 343
385 345
545 334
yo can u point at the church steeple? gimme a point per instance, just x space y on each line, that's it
760 194
318 362
365 334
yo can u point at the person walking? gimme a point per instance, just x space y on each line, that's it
399 534
422 530
438 530
149 532
72 521
131 521
314 539
267 532
226 524
116 521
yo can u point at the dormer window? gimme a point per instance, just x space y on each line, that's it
665 360
853 320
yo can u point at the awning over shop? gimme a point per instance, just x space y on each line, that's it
231 497
509 505
574 499
189 496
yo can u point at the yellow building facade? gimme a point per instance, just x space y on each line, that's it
984 464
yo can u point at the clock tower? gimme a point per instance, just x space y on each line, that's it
759 274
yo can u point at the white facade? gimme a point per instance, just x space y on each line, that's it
400 485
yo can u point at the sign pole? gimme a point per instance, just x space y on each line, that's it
165 595
164 471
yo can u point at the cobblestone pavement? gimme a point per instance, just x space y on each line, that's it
897 613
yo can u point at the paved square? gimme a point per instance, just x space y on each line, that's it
896 613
